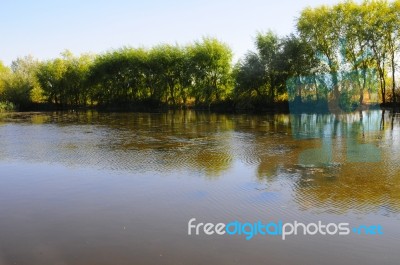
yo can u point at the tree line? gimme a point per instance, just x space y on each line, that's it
173 75
345 55
357 46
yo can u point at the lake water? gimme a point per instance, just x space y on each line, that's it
119 188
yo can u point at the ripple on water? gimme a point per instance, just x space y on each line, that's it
143 143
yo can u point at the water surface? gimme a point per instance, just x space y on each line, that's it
119 188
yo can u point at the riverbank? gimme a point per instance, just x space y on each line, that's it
219 107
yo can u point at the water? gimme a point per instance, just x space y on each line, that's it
120 188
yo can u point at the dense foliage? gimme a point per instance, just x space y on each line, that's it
340 57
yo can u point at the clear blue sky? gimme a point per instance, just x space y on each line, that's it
46 28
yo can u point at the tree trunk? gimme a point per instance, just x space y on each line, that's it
362 86
382 83
393 81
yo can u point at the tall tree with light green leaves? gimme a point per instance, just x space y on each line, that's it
211 70
318 27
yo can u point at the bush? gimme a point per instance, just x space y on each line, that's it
6 106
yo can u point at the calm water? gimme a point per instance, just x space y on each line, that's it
94 188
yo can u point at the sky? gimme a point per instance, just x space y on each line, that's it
45 28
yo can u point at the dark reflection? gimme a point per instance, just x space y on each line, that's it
332 161
121 141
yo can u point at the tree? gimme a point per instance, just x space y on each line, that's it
318 27
394 41
118 77
211 69
4 72
258 77
49 75
268 46
169 64
355 48
249 75
21 81
376 35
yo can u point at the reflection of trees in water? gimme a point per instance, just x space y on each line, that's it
343 184
209 143
363 188
178 140
125 141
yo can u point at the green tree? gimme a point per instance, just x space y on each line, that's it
50 75
4 72
74 79
211 70
268 45
249 77
20 82
118 77
376 34
318 27
169 64
296 59
356 51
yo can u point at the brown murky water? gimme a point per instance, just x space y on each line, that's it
116 188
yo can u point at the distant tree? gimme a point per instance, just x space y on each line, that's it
296 59
318 27
118 76
355 37
49 75
268 45
211 70
20 82
74 79
169 64
4 72
260 77
249 75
